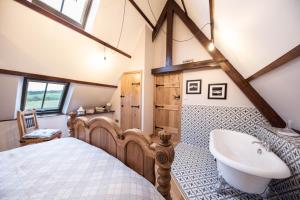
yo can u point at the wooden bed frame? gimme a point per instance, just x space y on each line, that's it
132 147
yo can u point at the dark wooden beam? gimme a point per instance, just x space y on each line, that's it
205 64
161 19
292 54
297 131
7 120
229 69
52 78
185 10
69 25
212 20
141 13
169 46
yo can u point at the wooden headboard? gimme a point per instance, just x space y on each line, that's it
132 147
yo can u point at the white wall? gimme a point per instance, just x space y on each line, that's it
142 60
55 122
148 82
235 96
252 34
9 132
88 96
280 87
8 96
9 135
116 103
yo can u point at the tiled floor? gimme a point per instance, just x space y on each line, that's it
196 172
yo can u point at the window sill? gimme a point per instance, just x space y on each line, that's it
49 115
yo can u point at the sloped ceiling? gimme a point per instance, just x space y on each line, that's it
87 96
251 34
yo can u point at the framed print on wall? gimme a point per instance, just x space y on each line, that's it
193 86
217 91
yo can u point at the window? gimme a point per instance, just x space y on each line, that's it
44 96
74 11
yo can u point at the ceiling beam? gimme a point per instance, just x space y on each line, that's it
205 64
185 10
229 69
161 19
212 20
291 55
169 45
141 13
52 78
69 25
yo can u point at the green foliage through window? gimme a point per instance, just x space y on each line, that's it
44 96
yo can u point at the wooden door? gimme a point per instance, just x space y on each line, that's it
131 100
167 103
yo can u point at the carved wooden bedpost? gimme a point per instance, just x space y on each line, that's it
164 156
71 123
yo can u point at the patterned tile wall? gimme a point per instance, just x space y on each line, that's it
287 148
198 121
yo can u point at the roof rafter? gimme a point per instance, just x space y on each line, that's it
141 12
161 19
291 55
227 67
169 44
204 64
185 10
212 19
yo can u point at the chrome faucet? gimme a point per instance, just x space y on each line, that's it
264 144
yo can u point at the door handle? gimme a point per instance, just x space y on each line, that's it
135 106
135 83
156 106
176 97
158 85
122 96
157 127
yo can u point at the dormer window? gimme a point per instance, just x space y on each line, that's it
46 97
74 11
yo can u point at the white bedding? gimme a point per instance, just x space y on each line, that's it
69 169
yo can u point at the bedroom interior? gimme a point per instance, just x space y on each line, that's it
149 99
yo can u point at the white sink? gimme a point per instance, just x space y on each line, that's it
246 166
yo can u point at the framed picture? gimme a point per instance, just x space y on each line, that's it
193 86
217 91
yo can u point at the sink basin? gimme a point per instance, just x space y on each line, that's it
246 166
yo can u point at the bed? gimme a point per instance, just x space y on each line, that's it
99 162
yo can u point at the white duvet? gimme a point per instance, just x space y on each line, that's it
69 169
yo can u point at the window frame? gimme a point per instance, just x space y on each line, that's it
43 111
65 17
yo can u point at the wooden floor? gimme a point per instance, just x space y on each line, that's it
176 192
